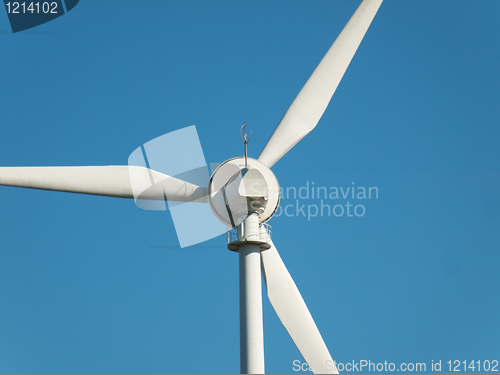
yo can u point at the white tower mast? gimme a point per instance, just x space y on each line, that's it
251 325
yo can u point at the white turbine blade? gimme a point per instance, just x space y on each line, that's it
294 314
112 181
311 102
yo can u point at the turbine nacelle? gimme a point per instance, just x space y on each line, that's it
238 190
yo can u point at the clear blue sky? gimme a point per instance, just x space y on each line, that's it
93 284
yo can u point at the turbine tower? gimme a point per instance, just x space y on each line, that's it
243 193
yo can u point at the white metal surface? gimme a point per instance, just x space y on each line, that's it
251 326
294 314
311 102
111 181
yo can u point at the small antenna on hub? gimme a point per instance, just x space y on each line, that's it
245 135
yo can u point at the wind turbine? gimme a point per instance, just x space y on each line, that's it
243 193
